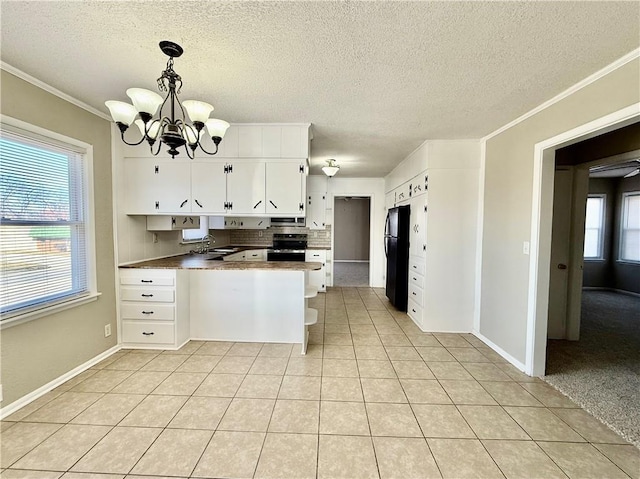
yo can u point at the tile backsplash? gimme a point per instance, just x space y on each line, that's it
315 238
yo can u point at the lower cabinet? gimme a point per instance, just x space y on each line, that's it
154 308
318 277
415 303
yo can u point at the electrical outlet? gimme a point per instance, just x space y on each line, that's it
107 330
259 234
155 237
525 247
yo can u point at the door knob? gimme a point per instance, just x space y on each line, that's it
562 266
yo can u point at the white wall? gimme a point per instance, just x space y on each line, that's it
508 203
373 187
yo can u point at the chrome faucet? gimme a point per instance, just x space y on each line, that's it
206 243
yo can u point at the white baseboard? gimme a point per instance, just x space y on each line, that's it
500 351
41 391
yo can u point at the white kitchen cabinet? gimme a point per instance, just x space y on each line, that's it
250 141
255 255
390 200
316 210
285 188
157 186
173 187
154 308
318 277
418 227
245 188
172 223
238 223
208 186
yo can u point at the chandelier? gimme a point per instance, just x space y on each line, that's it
331 169
170 126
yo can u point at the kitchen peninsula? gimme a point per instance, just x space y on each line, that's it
165 302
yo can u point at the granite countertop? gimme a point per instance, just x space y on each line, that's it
197 261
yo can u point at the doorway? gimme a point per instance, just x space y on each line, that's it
541 228
352 225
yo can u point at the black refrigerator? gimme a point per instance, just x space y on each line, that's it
396 248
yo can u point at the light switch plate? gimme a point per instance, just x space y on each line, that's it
525 247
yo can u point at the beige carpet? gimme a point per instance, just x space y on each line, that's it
601 372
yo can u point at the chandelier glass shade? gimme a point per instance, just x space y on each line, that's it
331 169
170 126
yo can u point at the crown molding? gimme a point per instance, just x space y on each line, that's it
54 91
629 57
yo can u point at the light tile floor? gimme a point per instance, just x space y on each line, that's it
374 397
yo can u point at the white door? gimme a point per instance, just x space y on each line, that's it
245 187
284 189
208 187
560 254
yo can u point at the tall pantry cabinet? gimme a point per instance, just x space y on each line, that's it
444 208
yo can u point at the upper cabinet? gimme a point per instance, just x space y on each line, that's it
286 187
266 141
259 170
316 210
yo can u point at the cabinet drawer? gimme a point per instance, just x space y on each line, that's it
156 312
415 294
416 279
140 277
147 332
416 266
312 255
156 295
414 311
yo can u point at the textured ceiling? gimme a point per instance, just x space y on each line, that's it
374 78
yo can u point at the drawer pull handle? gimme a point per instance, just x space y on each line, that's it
151 312
146 281
147 334
415 279
415 267
411 310
147 295
413 293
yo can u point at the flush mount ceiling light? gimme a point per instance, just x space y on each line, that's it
331 169
171 126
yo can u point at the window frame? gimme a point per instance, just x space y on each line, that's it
623 212
36 133
601 230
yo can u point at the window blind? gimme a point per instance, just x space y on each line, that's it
42 226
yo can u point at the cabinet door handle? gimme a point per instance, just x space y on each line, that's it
146 281
147 312
183 203
157 205
273 204
411 310
198 203
415 267
415 279
147 334
256 205
147 295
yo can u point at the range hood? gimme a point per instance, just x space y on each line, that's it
288 221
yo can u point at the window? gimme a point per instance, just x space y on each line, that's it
197 234
45 237
630 227
594 227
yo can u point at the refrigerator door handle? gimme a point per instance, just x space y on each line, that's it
386 225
